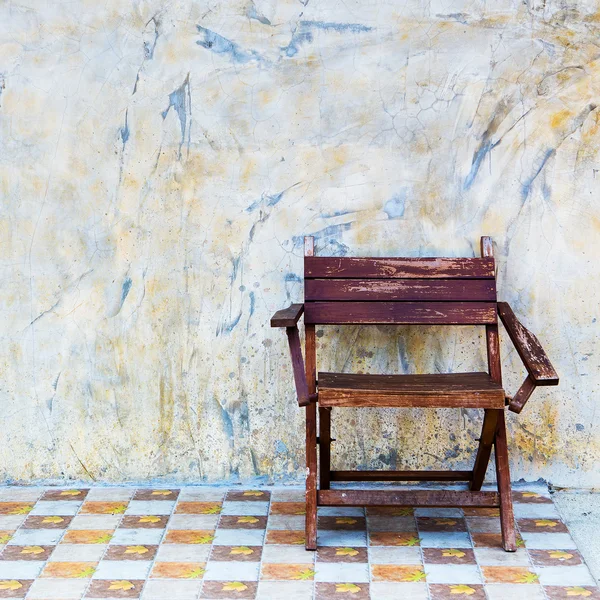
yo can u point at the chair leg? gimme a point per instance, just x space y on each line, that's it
507 517
311 476
324 448
488 432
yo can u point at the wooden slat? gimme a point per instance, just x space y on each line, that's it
401 475
507 517
398 268
446 390
528 347
324 447
287 317
298 366
407 498
467 290
400 313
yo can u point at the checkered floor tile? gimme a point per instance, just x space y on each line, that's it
212 543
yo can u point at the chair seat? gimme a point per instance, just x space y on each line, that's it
446 390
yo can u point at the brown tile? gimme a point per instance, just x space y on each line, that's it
46 522
399 573
555 558
5 536
229 589
242 522
103 508
385 538
178 570
441 524
276 536
282 571
115 588
134 552
236 553
555 592
449 556
342 554
15 508
158 494
87 536
26 553
198 508
144 522
480 511
454 591
492 540
542 526
75 570
288 508
390 511
530 498
345 523
251 495
14 588
509 575
74 494
189 536
335 591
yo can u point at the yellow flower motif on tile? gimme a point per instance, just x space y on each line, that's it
52 520
307 574
195 573
527 578
5 537
149 519
415 576
253 493
248 519
451 552
345 521
21 510
136 550
242 550
545 523
412 541
117 510
346 552
560 554
70 493
403 512
346 588
203 539
462 590
32 550
211 510
578 591
10 584
449 522
531 495
121 585
161 492
520 543
234 586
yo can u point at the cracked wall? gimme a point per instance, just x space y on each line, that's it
160 163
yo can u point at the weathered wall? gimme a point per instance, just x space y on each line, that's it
161 161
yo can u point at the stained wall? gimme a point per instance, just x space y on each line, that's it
160 163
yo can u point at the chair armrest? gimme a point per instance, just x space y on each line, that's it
287 317
530 350
304 398
538 365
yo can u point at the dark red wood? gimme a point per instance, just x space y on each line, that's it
519 400
407 498
507 517
311 426
401 476
287 317
398 268
298 366
488 433
530 350
467 290
324 447
400 313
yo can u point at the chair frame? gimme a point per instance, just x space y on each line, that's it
319 474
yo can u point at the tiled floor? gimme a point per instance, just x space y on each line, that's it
215 543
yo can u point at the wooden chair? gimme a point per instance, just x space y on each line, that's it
419 291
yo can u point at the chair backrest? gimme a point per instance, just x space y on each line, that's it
424 291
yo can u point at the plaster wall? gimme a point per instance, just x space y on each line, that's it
160 162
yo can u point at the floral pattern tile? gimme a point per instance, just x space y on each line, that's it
214 543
